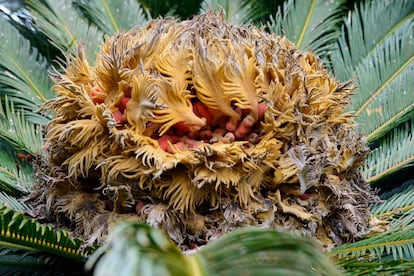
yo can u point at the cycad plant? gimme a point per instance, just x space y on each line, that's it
202 126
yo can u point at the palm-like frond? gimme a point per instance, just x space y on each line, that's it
137 249
394 153
381 58
23 72
114 16
254 251
311 25
400 199
65 26
16 131
237 12
20 262
15 175
13 203
26 233
397 242
389 251
386 91
368 27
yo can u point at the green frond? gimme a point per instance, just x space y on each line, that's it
400 199
137 249
356 267
16 176
395 152
20 262
65 26
20 231
386 91
255 251
237 12
310 24
114 16
368 27
13 203
16 131
397 242
23 72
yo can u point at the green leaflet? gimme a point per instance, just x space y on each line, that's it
23 73
311 25
137 249
237 12
20 262
18 230
65 27
395 152
15 131
114 16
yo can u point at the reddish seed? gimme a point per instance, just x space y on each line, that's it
231 126
123 103
261 110
341 176
98 95
166 140
206 134
180 145
254 138
201 111
138 207
245 112
194 135
248 121
229 138
182 126
190 142
304 197
118 116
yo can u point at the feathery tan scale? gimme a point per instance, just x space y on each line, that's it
199 127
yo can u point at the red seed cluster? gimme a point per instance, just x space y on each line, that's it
218 127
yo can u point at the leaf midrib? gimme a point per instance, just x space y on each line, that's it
388 123
29 80
383 86
373 245
391 169
306 24
111 17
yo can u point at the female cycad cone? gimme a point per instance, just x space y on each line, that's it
199 127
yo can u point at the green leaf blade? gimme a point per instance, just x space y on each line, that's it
114 16
304 24
65 26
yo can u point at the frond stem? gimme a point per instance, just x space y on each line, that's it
29 80
391 169
108 11
373 245
3 170
308 18
394 118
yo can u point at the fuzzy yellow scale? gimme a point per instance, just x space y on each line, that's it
200 127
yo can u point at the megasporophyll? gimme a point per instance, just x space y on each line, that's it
199 127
